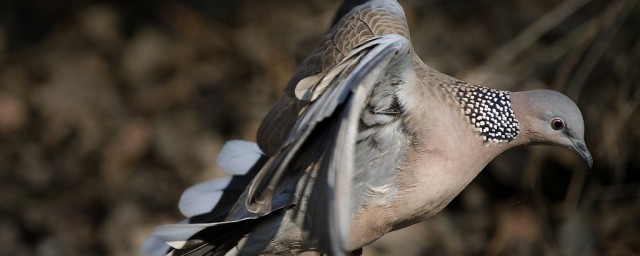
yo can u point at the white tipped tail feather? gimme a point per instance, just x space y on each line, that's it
202 197
153 246
236 158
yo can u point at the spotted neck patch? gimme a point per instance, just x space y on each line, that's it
489 111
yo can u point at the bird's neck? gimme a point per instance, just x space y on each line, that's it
453 147
522 110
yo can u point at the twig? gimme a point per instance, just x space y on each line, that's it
619 191
612 22
586 32
574 192
503 56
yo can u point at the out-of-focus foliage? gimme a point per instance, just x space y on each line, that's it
109 109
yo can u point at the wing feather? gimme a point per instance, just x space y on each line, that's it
325 136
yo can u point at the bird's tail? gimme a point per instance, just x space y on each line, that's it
206 206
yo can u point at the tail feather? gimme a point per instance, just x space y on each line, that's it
154 246
207 204
198 239
192 203
238 156
218 239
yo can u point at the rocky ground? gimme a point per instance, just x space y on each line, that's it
109 109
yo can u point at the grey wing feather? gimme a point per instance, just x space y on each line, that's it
354 24
328 131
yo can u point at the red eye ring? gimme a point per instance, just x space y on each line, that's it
557 124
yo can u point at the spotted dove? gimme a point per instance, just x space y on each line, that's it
367 139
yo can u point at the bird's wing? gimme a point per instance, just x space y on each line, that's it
322 140
354 24
314 127
310 134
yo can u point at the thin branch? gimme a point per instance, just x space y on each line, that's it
505 55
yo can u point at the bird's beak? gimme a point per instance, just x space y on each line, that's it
581 148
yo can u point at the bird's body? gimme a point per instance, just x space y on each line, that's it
366 140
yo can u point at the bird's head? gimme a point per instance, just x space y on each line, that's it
549 117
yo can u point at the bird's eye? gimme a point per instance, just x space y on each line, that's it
557 124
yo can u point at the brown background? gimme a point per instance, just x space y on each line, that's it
109 109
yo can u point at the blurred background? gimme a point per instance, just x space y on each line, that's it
110 109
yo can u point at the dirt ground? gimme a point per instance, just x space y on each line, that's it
110 109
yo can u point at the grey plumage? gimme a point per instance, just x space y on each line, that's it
368 139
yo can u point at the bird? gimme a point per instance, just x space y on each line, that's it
367 139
